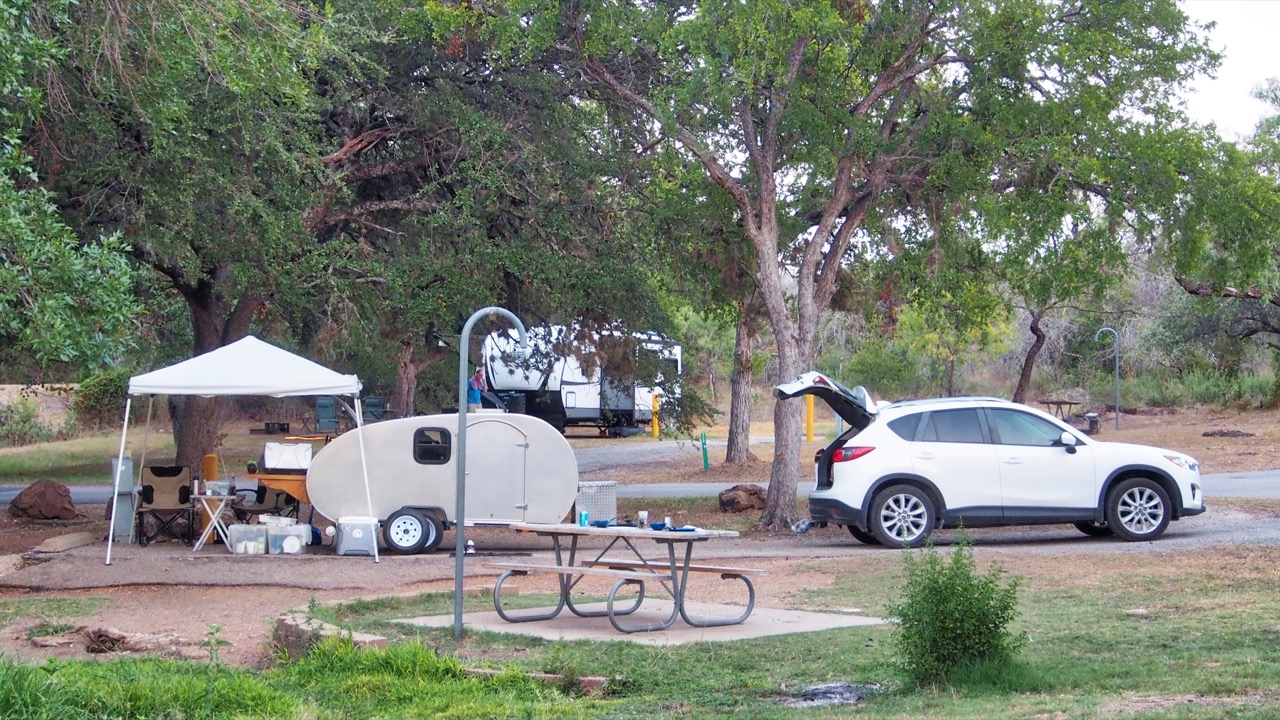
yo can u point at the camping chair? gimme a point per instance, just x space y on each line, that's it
264 500
375 409
326 415
165 504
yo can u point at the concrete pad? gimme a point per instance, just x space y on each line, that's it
567 626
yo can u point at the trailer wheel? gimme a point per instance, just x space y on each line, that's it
435 533
407 531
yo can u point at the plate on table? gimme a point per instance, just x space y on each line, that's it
684 528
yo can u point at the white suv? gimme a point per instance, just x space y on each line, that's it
903 469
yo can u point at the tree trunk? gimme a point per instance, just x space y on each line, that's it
405 389
780 503
738 451
949 377
199 418
1029 361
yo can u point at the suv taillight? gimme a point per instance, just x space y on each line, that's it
850 453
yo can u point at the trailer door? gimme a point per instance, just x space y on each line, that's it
497 454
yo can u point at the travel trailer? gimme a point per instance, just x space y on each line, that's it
578 377
519 469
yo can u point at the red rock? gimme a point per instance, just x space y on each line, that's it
740 498
44 500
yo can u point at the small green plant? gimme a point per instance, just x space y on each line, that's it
47 629
212 643
952 617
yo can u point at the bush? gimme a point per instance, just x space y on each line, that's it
99 400
19 425
888 370
951 617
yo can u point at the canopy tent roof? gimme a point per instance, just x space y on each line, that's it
245 367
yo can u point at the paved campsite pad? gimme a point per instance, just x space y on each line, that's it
567 626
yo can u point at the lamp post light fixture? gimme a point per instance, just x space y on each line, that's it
464 347
1115 337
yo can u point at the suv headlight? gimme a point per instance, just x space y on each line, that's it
1183 461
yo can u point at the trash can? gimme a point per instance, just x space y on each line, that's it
125 502
1095 423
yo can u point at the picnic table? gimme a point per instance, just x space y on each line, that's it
1061 408
632 569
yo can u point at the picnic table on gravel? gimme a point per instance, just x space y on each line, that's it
631 569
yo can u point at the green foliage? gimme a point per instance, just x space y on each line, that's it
61 301
950 331
49 611
34 693
213 642
888 369
411 679
99 399
1190 333
1200 386
19 425
45 628
951 616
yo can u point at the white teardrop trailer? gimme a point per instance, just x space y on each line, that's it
519 469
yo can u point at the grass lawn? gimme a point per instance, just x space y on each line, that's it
1133 635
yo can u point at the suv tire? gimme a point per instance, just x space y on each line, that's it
902 516
1138 509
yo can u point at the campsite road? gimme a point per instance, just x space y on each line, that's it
1262 484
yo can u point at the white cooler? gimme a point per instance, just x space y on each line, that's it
356 536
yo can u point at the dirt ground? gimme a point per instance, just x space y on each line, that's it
165 590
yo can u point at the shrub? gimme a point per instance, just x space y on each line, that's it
99 400
951 617
889 370
20 425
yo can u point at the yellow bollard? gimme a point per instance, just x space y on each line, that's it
208 473
808 418
209 468
654 421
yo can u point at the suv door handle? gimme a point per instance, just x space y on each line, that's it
1013 461
925 456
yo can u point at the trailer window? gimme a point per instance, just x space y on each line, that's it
431 446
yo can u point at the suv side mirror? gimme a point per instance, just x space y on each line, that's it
1069 442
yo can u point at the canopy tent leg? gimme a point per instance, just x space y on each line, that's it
364 467
115 497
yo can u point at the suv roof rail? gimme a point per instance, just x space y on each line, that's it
953 398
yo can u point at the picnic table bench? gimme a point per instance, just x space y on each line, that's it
672 574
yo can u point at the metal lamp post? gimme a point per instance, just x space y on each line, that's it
464 348
1116 346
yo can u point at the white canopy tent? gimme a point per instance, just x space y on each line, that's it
245 367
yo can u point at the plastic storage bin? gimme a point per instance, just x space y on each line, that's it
248 539
287 539
216 487
356 536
